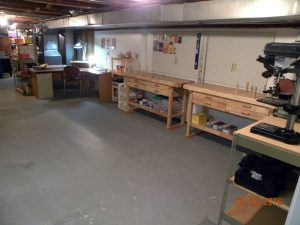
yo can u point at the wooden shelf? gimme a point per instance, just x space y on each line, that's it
164 114
115 99
254 214
286 197
147 109
177 114
212 131
116 73
20 90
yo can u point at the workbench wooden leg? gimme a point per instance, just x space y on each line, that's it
170 107
189 115
184 101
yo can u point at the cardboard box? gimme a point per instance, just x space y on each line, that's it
199 118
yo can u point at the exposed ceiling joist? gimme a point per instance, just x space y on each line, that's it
70 4
36 10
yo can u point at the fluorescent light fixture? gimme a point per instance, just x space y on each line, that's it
13 26
92 59
3 21
142 1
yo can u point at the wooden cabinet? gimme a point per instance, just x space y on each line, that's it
225 100
105 82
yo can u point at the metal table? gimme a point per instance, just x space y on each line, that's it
272 148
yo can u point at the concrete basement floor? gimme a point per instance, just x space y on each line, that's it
79 162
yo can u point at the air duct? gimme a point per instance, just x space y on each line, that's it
203 12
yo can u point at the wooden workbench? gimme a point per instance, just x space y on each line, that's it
223 99
275 213
161 85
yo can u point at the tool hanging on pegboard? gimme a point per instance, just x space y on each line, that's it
197 53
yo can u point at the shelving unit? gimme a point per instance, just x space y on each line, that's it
222 99
118 67
212 131
286 197
26 54
161 85
259 213
21 77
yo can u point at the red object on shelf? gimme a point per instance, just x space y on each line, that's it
24 56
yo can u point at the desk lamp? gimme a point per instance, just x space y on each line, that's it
81 46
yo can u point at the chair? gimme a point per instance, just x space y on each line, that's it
72 74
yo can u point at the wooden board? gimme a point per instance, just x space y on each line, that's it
105 83
277 144
212 131
34 86
160 79
226 92
286 196
136 105
255 213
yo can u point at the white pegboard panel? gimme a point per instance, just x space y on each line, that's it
236 51
180 64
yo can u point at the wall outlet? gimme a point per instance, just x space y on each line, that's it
233 67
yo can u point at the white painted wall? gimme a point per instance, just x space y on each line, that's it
238 45
229 46
126 41
142 43
180 64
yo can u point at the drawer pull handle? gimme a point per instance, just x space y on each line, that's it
246 114
246 106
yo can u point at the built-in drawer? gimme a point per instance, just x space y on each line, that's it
245 113
247 106
148 86
209 101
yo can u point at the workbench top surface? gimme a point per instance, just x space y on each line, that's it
61 68
245 132
228 93
157 78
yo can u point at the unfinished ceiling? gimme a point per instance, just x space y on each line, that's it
29 11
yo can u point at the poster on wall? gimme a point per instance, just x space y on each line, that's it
113 43
166 43
108 43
